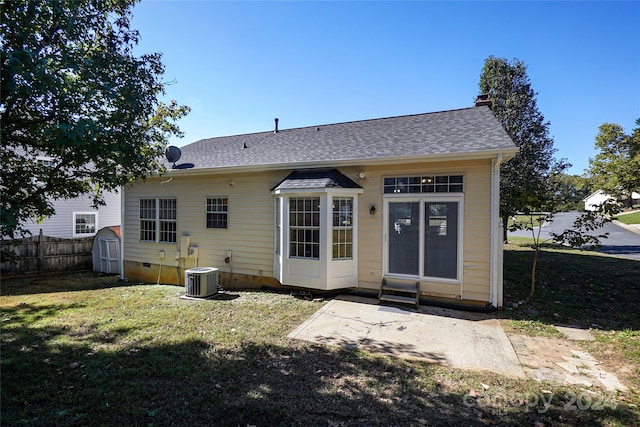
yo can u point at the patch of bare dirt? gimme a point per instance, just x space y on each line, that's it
563 361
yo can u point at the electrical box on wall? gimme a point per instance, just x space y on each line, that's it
185 242
193 252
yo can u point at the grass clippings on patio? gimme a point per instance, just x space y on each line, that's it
139 355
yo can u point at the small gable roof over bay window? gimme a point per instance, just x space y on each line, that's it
314 179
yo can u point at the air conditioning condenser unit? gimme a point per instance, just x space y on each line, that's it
201 282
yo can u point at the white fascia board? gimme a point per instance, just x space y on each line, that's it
506 155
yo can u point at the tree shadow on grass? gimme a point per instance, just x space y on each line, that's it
622 250
578 288
50 380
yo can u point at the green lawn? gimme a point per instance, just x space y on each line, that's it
632 218
529 220
81 349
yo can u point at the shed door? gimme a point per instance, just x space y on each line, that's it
109 256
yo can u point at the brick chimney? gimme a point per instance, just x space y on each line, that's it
483 99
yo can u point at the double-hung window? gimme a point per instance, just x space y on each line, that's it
158 220
304 227
217 212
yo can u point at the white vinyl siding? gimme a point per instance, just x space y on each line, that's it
62 224
252 233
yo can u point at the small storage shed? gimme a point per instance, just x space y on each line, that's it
106 250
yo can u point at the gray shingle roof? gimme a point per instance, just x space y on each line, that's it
455 132
314 179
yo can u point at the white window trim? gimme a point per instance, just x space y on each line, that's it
206 212
73 224
422 198
320 229
157 220
325 264
344 228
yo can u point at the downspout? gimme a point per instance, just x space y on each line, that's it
496 291
122 234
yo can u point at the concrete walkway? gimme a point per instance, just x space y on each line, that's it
470 340
457 339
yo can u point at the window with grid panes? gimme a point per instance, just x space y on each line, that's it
148 220
424 184
158 220
84 223
167 220
217 212
342 228
304 227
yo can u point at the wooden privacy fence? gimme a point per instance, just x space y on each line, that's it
43 253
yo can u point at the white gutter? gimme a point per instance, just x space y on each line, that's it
344 162
496 286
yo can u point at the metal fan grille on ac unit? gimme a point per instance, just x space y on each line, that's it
201 282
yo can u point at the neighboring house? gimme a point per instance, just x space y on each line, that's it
410 199
76 218
593 201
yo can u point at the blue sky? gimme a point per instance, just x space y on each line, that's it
239 65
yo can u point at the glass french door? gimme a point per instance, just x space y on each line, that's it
441 239
423 238
404 238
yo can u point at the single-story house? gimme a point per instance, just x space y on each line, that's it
597 198
409 199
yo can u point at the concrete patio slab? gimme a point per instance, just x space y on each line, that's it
443 336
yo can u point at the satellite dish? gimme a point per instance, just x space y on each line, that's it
172 153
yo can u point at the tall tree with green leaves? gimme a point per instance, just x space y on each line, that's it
571 190
74 93
525 183
616 167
